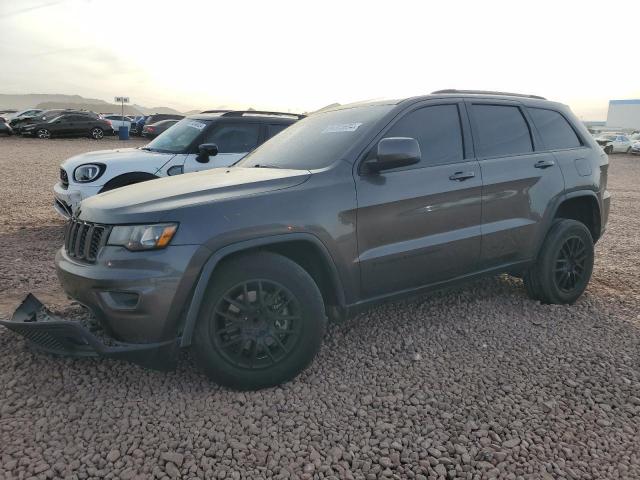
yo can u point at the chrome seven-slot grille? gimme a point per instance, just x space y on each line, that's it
64 178
83 240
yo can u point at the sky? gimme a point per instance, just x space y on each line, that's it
302 55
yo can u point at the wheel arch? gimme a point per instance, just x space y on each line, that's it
128 178
305 249
584 207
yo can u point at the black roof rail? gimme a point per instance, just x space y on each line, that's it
240 113
215 111
487 92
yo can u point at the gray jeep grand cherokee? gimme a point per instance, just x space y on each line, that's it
346 208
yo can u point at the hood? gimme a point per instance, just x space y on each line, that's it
129 156
158 200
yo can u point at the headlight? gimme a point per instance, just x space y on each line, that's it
143 237
88 172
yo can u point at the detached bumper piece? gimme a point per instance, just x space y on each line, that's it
53 335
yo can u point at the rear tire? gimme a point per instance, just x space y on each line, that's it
261 324
608 150
564 266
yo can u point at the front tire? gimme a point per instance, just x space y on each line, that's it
43 133
608 150
97 133
261 324
564 266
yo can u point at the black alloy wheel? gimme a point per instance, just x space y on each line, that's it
570 264
256 324
262 321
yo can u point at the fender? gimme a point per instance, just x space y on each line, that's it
210 265
548 221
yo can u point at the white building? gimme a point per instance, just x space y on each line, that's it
624 114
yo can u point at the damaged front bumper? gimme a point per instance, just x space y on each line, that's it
50 334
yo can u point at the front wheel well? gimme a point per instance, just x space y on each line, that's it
127 179
584 209
309 257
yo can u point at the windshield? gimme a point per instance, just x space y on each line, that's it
317 141
178 137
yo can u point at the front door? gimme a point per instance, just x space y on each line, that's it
420 225
234 141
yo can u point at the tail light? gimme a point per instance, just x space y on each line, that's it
109 122
151 129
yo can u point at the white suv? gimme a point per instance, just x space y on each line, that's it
195 143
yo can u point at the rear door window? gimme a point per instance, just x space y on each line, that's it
500 130
555 130
274 130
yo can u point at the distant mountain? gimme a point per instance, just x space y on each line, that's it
94 107
51 101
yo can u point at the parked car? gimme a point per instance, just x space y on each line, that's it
156 117
117 122
138 124
5 128
195 143
31 112
21 118
635 148
344 209
614 143
69 125
155 129
47 115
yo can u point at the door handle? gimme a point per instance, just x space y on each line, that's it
462 176
544 164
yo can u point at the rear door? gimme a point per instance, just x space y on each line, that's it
520 180
234 141
420 225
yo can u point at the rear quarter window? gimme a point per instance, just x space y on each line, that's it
554 129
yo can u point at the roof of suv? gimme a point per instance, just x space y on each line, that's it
252 115
451 93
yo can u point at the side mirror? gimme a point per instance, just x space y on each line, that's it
394 152
205 151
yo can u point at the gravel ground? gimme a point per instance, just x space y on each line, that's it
477 382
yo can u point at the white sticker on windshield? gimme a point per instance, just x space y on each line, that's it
198 125
343 127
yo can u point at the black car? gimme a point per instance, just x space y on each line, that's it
47 115
156 117
155 129
69 125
